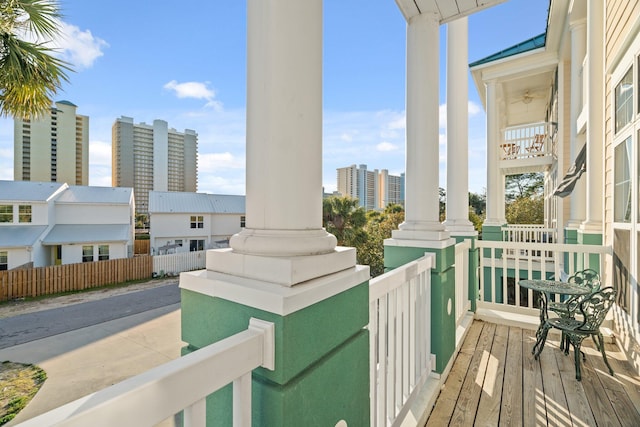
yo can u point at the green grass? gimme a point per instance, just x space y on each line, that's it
20 382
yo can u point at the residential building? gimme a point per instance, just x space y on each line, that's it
373 189
45 223
52 148
184 221
153 158
390 189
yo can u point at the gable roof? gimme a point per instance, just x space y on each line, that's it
185 202
28 191
106 195
64 234
13 236
525 46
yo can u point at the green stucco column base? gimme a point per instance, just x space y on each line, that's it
571 236
443 322
321 374
492 232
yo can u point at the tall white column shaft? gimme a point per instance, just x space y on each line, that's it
578 51
495 206
284 130
457 127
422 169
595 116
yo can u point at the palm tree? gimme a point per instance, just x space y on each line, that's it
29 73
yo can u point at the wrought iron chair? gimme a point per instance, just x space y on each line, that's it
593 309
589 278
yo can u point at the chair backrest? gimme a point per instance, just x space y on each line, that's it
588 277
595 307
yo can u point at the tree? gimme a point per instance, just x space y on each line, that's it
29 73
345 219
525 210
524 185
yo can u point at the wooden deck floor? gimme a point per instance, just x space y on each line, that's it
496 381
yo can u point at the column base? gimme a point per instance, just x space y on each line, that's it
283 242
421 235
460 227
285 270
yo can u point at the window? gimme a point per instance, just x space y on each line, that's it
197 221
103 252
196 245
622 182
243 220
87 254
624 100
4 260
24 213
6 213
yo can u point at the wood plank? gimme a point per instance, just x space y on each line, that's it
511 406
533 407
446 402
471 340
624 373
577 403
596 396
465 411
555 400
490 399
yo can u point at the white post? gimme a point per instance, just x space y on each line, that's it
284 150
422 220
578 51
595 118
495 179
457 128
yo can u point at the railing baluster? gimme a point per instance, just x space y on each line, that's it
196 414
242 401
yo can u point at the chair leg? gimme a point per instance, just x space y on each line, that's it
576 353
604 354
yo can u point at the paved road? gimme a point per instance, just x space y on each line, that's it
24 328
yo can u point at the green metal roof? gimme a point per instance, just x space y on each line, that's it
525 46
65 102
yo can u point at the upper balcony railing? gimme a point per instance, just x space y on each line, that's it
532 140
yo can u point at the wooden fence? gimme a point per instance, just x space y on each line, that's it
54 279
141 247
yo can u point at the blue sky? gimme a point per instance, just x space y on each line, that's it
186 63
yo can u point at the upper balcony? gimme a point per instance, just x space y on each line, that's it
528 148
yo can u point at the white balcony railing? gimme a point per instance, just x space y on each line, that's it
463 304
503 264
182 384
400 339
527 141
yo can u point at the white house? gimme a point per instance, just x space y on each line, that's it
44 223
185 221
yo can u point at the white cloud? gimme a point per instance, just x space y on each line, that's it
472 108
217 161
80 48
346 137
386 146
196 90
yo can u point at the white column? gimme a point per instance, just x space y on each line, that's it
457 220
595 117
495 179
283 241
422 220
578 51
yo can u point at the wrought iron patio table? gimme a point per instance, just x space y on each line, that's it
545 288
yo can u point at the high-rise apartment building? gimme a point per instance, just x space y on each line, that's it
373 189
153 157
52 148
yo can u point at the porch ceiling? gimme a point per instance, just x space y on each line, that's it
447 10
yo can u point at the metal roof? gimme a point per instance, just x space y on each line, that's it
28 191
13 236
525 46
64 234
185 202
84 194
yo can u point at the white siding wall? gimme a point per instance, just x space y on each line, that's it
72 254
17 257
92 214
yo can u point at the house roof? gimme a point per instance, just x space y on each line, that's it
28 191
106 195
185 202
12 236
65 234
525 46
